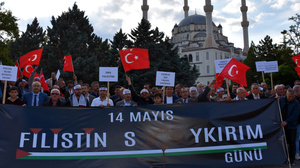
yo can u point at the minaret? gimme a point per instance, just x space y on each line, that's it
145 9
186 9
209 41
245 25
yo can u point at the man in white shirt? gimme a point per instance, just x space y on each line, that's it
102 100
241 94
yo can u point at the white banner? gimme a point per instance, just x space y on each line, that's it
165 78
8 73
108 74
220 64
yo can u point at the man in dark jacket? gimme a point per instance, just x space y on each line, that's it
290 112
141 99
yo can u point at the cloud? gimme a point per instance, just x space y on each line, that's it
234 7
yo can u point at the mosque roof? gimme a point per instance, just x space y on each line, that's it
194 19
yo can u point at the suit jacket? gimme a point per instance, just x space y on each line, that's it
120 103
91 98
293 112
190 100
250 97
27 98
174 98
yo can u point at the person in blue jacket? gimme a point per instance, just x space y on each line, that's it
35 98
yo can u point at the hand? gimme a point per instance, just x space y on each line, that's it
108 104
24 105
74 77
179 102
212 83
36 68
134 105
128 80
283 124
101 106
123 105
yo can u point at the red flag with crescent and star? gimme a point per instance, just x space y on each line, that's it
135 58
31 58
235 71
68 64
43 81
219 80
28 70
296 59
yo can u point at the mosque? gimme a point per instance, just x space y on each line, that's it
201 42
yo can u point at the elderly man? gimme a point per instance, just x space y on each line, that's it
184 97
127 99
194 93
121 96
279 91
255 92
77 99
297 97
102 100
54 99
290 113
95 89
178 88
241 94
200 88
144 97
35 98
205 96
85 92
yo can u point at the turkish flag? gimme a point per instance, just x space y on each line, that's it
235 71
246 93
296 59
68 64
28 70
219 80
297 69
43 81
31 58
19 69
135 58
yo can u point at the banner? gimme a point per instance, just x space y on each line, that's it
225 134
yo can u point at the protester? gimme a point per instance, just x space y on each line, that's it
157 98
194 93
212 93
200 88
117 94
144 97
265 88
95 89
102 100
55 99
70 86
77 98
13 97
220 93
127 99
278 91
234 88
178 88
62 88
170 98
205 96
121 96
290 113
255 92
297 97
241 94
148 87
184 97
52 81
85 92
35 98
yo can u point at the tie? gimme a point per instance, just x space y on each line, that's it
34 102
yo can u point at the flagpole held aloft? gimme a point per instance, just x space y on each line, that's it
4 92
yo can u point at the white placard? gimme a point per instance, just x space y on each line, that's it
108 74
165 78
8 73
0 63
57 75
260 65
271 66
220 64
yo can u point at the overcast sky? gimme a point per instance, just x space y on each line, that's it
266 17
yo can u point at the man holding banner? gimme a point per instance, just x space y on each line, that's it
102 100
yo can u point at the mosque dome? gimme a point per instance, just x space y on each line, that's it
194 19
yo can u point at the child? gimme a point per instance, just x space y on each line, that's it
14 99
157 98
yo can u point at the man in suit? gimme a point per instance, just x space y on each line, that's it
35 98
127 99
184 92
85 91
255 92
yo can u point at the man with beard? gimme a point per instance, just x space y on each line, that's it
144 97
102 100
52 81
77 99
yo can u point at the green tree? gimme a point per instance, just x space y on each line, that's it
292 36
8 31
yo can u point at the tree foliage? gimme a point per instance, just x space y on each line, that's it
292 36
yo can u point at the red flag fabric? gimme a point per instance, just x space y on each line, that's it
135 58
297 69
296 59
31 58
43 82
219 80
246 93
19 69
68 64
235 71
27 71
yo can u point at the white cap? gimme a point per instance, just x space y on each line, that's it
126 91
102 88
193 88
77 86
37 78
261 88
220 89
144 90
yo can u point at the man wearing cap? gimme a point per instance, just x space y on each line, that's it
194 93
101 101
220 93
35 98
241 94
144 97
127 99
184 97
77 99
255 92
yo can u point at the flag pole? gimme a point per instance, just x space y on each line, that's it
4 92
263 75
227 84
271 80
107 99
164 91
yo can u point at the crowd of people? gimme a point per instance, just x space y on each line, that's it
77 93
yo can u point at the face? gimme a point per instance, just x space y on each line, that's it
23 84
117 91
95 87
177 89
255 89
184 93
85 90
103 93
36 88
279 90
55 95
212 91
127 97
147 87
53 75
200 87
13 93
241 94
220 94
234 88
78 92
264 85
144 95
157 100
290 97
193 93
169 91
62 84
